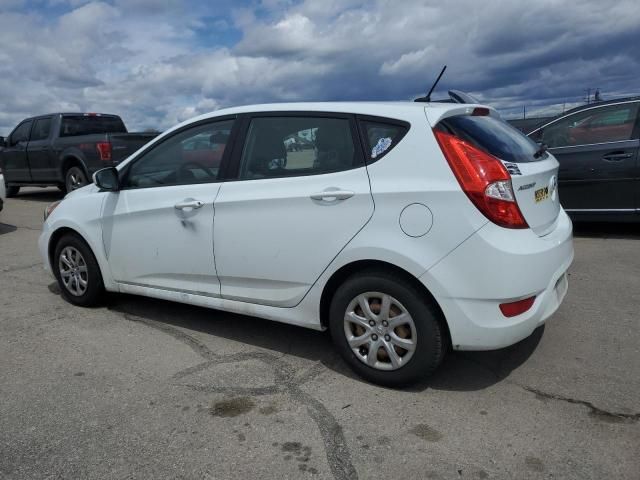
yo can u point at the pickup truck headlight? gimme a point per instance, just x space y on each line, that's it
50 208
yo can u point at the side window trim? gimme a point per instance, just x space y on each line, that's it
364 138
124 173
244 121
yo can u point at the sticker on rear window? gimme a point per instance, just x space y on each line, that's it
380 147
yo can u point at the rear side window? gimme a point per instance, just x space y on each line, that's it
296 146
493 136
381 137
41 129
73 125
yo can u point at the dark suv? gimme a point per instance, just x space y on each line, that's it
597 147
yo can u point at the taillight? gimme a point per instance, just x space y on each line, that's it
480 112
484 179
104 151
516 308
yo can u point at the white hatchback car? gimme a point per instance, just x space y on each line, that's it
403 228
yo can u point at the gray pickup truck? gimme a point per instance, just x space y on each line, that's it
64 149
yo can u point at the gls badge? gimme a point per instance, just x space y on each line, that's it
527 186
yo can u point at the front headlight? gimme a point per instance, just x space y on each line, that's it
50 208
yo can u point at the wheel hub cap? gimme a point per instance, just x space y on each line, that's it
73 271
380 331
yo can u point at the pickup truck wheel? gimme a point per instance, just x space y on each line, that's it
12 191
75 178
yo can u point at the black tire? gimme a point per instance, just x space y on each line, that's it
430 337
75 178
95 286
11 191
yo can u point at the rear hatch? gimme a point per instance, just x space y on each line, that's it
533 174
124 144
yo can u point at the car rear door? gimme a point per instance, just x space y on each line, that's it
597 149
39 151
286 213
16 164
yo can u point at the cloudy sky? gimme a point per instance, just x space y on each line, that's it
157 62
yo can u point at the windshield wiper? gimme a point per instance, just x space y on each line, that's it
541 151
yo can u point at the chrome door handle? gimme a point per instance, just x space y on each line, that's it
330 195
189 204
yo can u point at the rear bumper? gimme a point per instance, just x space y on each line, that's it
497 266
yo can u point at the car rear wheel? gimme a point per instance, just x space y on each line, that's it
386 329
75 178
77 271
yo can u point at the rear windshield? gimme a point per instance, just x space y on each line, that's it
493 136
89 124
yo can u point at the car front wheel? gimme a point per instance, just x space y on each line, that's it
77 271
386 329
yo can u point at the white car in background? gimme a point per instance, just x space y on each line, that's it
408 228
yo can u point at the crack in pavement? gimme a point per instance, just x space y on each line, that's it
18 268
287 380
613 417
20 227
594 411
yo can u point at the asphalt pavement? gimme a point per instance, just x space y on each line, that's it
141 388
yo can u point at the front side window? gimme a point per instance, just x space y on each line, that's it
612 123
21 134
191 156
41 129
295 146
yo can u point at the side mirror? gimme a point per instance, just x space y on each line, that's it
3 142
107 179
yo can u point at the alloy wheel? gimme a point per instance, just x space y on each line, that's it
380 331
75 179
73 271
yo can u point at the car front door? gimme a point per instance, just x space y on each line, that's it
158 229
16 164
290 210
597 149
39 151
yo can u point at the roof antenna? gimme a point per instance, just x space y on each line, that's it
428 97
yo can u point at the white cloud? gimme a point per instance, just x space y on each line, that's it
157 63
